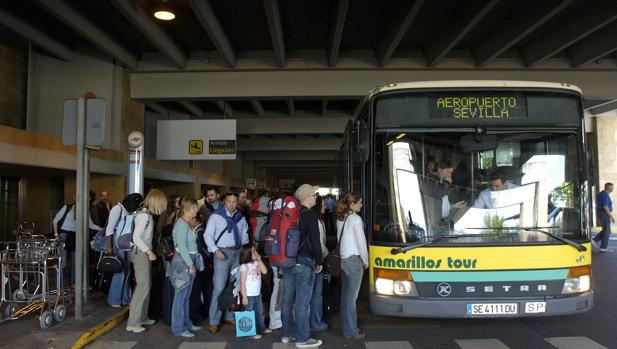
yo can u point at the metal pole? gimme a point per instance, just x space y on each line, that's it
85 248
81 209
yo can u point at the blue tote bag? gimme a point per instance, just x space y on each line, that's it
245 323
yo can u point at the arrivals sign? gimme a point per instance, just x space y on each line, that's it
196 140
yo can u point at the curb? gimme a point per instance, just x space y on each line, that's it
96 331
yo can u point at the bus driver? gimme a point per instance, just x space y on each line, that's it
497 182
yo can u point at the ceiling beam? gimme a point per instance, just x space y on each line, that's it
210 22
395 32
144 23
36 36
158 108
320 84
290 107
337 25
289 144
302 164
603 107
291 155
192 108
570 31
276 31
594 47
516 28
299 126
465 21
259 109
225 108
84 27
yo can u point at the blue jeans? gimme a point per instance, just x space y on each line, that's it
66 254
256 306
605 234
297 282
180 320
317 322
222 270
120 288
351 279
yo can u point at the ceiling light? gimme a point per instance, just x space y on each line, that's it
164 12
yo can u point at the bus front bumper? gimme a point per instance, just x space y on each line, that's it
458 308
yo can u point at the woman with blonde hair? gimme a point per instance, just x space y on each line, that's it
141 255
184 267
354 260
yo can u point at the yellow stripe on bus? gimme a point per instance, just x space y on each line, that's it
463 258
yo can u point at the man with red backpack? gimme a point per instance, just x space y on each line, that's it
298 277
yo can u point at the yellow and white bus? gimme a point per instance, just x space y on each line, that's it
477 198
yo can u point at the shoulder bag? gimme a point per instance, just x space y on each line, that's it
333 260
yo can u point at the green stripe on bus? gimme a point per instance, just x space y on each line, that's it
489 276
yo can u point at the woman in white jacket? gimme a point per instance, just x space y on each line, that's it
354 260
141 255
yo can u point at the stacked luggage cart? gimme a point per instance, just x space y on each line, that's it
32 277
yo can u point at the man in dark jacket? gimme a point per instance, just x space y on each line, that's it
298 279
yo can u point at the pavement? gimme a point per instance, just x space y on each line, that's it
593 330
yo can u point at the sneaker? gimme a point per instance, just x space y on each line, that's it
595 244
230 322
604 250
311 343
213 329
196 328
116 306
187 334
257 336
135 329
267 331
359 335
148 322
288 339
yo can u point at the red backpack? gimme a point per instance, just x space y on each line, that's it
283 242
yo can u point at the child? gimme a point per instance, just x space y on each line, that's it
251 268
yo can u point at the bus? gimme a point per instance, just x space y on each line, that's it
476 198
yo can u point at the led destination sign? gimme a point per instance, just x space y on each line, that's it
478 106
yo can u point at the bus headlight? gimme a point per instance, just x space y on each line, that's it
394 283
405 288
579 280
384 286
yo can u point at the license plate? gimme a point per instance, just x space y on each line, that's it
492 308
535 307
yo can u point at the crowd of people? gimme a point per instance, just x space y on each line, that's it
205 245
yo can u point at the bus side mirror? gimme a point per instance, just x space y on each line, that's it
362 142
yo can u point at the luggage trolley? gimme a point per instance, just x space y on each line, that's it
32 280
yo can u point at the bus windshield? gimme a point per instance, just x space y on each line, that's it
494 186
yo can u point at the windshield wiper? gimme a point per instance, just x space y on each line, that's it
404 249
574 244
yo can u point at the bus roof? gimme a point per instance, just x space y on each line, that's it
473 84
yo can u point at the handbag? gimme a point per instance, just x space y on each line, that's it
109 264
333 260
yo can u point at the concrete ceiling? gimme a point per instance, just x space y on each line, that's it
293 72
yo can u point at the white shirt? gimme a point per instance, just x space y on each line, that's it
215 226
115 215
70 224
142 233
322 238
354 241
253 278
486 200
